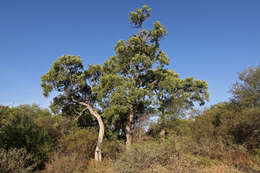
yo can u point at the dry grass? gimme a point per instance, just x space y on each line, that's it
221 168
66 164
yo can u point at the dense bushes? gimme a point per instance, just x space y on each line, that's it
35 135
82 141
33 129
143 156
230 124
170 127
171 155
111 149
18 130
222 135
15 161
247 128
76 150
66 163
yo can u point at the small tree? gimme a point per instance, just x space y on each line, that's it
74 85
136 81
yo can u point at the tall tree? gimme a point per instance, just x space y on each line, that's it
136 81
246 91
246 98
74 85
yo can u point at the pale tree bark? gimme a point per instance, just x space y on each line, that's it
98 151
129 135
80 113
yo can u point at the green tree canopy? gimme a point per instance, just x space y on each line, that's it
136 79
246 91
74 87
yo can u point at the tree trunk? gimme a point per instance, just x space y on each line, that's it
98 153
129 134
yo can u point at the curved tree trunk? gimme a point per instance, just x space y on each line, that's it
98 154
98 151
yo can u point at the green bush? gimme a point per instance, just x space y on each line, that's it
56 126
15 161
143 156
18 130
75 150
179 127
66 163
229 124
81 141
112 149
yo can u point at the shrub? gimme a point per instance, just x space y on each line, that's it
229 124
179 127
112 149
18 130
66 163
81 141
15 161
56 126
143 156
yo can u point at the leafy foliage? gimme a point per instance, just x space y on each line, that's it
136 81
170 127
82 142
15 161
66 164
139 16
246 91
68 77
75 90
237 121
143 156
18 130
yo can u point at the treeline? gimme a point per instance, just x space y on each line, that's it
132 114
224 137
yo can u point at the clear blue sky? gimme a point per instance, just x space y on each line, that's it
211 40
